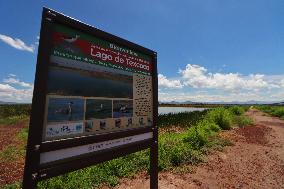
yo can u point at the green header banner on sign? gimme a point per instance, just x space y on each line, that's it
71 44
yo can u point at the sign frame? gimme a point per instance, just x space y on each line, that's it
34 171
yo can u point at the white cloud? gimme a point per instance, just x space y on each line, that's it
10 93
198 77
16 43
220 97
167 83
282 83
37 42
6 88
199 85
12 75
12 80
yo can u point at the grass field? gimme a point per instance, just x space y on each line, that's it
176 149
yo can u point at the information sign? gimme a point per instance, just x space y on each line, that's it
95 99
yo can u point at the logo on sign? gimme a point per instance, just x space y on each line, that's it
64 129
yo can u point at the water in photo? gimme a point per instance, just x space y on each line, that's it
98 109
65 109
76 82
122 108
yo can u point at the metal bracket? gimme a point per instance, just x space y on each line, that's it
51 13
43 175
34 176
49 19
37 147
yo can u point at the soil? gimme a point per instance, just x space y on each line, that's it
256 160
11 171
8 133
172 129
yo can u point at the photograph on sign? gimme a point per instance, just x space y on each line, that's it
98 109
82 82
95 86
65 109
122 108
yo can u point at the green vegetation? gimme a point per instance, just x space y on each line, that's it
16 185
215 120
237 110
177 151
108 172
277 111
221 117
12 120
11 114
242 121
183 119
9 154
14 110
23 134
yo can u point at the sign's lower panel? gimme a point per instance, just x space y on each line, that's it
102 156
56 155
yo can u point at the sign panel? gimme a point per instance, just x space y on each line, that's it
105 86
95 99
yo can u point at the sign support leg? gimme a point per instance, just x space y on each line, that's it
154 163
29 183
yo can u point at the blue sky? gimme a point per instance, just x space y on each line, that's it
222 50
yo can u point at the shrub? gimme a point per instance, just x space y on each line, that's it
10 110
220 116
279 112
198 135
237 110
183 119
13 113
175 150
242 121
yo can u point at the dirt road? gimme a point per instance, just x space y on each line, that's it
255 161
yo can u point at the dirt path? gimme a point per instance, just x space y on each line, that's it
255 161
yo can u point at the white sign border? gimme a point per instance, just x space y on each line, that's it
51 156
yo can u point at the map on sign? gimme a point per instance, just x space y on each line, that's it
95 86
